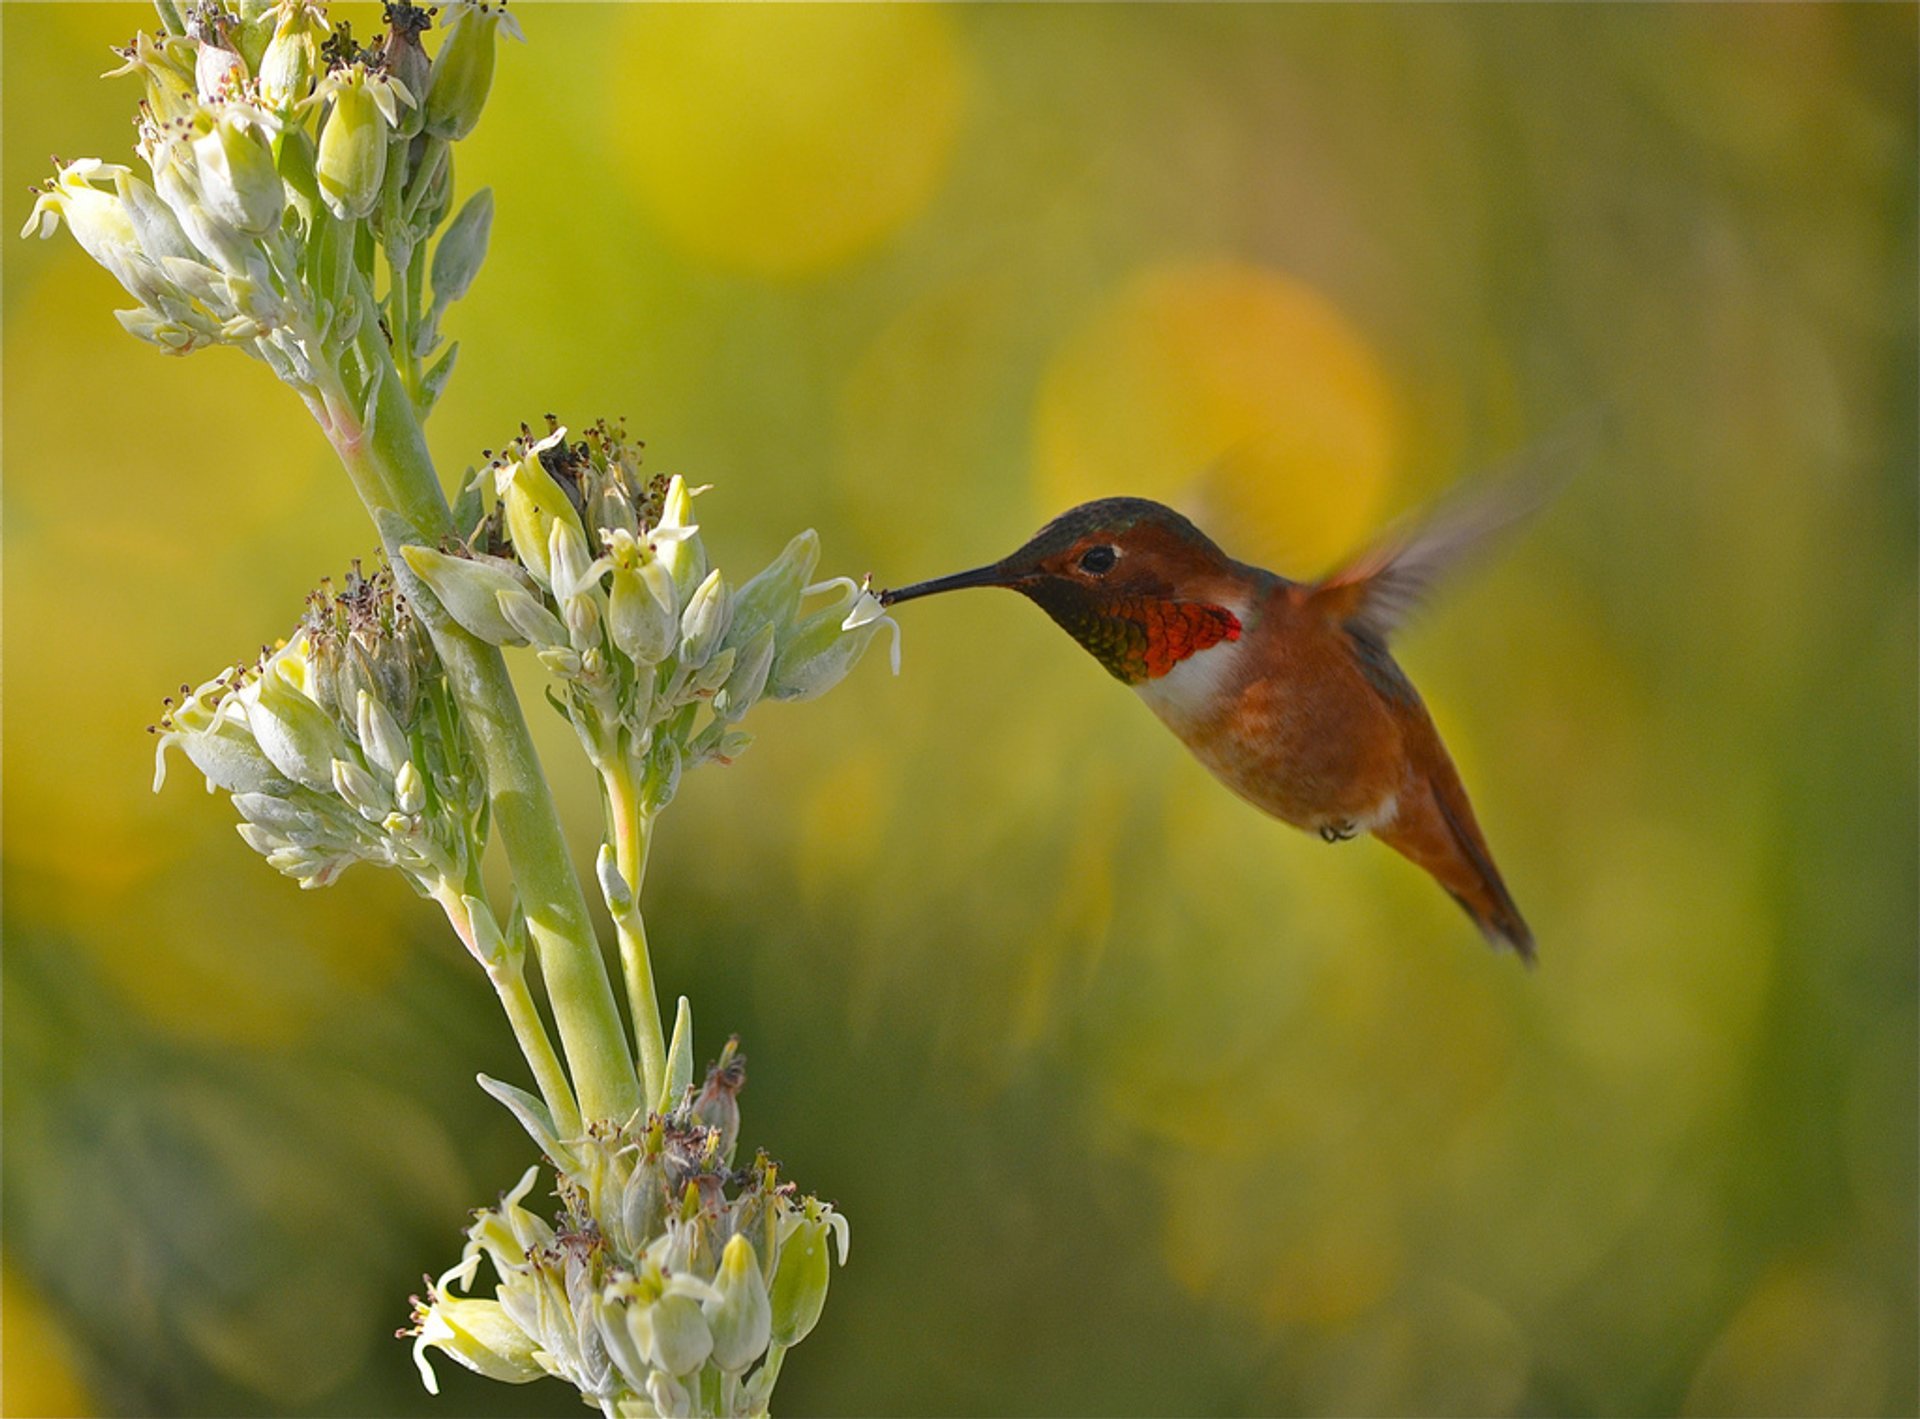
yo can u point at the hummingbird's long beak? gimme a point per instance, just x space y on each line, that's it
995 575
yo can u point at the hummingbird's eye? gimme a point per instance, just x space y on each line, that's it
1098 560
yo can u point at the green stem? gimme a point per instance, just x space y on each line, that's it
400 323
509 978
428 172
632 834
387 459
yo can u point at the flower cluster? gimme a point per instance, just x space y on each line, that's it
671 1282
656 656
281 154
298 205
341 746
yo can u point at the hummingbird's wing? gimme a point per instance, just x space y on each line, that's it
1386 584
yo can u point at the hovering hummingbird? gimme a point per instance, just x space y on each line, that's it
1284 689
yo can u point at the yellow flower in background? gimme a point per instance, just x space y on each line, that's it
1234 392
37 1358
783 141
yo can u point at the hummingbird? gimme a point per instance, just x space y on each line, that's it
1286 690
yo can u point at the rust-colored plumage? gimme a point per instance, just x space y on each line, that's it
1285 690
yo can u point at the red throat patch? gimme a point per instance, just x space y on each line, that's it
1178 629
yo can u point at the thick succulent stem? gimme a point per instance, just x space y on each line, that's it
386 456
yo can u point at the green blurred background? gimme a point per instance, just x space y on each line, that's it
1139 1103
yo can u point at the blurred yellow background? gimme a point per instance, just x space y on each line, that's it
1139 1103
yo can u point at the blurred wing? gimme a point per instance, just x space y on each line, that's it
1386 584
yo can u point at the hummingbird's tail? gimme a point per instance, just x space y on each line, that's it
1439 834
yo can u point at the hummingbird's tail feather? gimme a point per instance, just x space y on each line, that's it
1438 833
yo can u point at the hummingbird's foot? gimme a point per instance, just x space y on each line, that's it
1343 831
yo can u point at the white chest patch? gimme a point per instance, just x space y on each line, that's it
1193 687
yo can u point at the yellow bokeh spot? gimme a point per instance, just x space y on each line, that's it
781 141
1234 392
1806 1341
36 1358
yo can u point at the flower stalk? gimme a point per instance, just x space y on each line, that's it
391 470
298 211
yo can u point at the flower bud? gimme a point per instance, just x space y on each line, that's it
679 1059
773 596
679 1340
664 767
800 1280
573 571
380 734
613 887
671 1399
742 1319
409 790
217 67
704 624
718 1104
463 246
490 945
469 588
280 817
714 673
640 613
825 646
676 537
165 64
352 161
480 1335
363 793
463 69
534 502
529 616
100 221
403 58
292 730
239 180
211 729
292 59
749 678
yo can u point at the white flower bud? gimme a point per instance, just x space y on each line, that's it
573 570
292 59
352 160
529 616
480 1335
704 623
676 537
640 614
679 1340
469 588
293 731
670 1398
463 69
380 734
800 1280
463 246
741 1321
613 887
714 673
773 596
533 503
749 678
363 793
828 644
238 179
409 789
217 70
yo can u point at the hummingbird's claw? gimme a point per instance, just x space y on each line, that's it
1340 832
